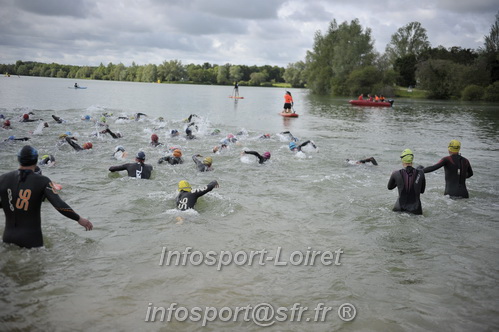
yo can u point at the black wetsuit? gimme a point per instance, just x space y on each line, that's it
57 119
171 160
201 167
21 196
186 200
73 144
113 135
299 147
46 160
135 170
410 183
457 170
261 160
371 160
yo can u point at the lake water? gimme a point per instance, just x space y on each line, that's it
401 272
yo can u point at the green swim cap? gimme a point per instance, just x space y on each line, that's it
407 156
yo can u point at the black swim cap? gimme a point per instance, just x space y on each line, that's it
27 156
141 156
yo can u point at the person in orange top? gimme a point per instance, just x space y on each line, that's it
376 98
361 97
288 102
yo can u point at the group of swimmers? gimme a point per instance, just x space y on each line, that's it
22 191
411 181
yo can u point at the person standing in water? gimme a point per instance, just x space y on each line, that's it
288 102
138 169
410 183
21 195
457 170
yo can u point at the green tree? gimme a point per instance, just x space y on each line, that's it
490 52
295 74
223 74
492 40
258 78
335 55
172 70
439 78
410 39
406 68
235 73
149 73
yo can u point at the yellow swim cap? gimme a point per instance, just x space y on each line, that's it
407 156
184 186
207 161
454 145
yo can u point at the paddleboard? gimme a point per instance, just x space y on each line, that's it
289 115
236 97
79 87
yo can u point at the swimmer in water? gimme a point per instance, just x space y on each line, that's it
187 197
297 148
138 170
363 161
76 146
261 158
457 170
21 195
205 165
410 183
174 159
155 140
113 135
47 160
119 153
6 124
294 139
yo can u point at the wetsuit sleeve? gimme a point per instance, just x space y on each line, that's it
371 159
469 172
161 160
118 168
256 154
111 133
59 204
392 183
205 190
438 165
198 162
73 144
423 184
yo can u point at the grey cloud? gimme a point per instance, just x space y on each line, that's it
74 8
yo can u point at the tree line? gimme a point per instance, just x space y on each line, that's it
342 62
170 71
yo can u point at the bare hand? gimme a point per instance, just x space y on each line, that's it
86 223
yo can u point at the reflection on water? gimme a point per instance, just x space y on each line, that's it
402 272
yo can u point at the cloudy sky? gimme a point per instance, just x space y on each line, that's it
250 32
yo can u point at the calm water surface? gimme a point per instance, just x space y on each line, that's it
438 271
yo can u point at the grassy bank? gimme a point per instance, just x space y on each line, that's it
410 93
